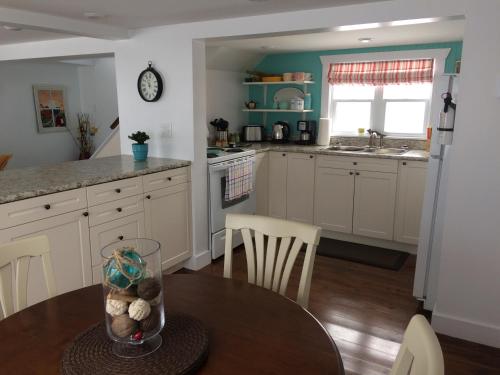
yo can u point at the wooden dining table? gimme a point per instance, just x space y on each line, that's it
251 330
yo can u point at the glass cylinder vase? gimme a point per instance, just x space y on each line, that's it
133 296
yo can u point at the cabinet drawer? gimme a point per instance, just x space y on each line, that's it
165 179
121 229
112 191
358 163
115 210
28 210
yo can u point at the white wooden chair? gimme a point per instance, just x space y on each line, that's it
18 254
420 352
266 268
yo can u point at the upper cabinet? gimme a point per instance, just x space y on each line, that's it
410 197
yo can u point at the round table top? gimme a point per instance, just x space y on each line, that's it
251 330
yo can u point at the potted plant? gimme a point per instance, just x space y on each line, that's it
140 148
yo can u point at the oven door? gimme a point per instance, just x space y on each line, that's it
218 206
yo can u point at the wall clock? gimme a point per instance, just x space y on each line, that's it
150 84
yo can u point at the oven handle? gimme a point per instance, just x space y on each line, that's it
225 165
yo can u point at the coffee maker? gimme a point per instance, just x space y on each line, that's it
307 129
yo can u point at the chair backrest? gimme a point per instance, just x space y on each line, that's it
17 254
270 268
420 352
4 160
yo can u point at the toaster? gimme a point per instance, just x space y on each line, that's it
253 133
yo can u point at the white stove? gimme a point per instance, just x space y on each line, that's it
219 161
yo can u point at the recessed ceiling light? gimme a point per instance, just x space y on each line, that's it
365 40
93 15
12 28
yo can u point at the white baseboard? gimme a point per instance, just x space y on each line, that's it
466 329
198 261
412 249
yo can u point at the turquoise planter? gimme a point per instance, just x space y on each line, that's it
140 151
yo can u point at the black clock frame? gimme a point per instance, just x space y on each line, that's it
158 78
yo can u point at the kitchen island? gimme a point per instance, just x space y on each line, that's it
82 206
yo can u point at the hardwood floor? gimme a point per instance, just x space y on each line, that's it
366 310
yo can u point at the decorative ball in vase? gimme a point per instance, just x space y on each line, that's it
140 148
133 296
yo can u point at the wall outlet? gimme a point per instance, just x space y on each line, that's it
167 130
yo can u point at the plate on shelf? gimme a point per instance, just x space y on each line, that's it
284 95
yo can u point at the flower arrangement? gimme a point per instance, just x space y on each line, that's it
85 133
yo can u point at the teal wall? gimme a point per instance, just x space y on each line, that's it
310 62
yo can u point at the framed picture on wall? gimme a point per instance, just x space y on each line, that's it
50 108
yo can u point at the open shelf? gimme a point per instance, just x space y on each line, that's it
279 83
278 110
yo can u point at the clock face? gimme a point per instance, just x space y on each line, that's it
150 85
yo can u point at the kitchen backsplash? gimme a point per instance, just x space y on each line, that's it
413 144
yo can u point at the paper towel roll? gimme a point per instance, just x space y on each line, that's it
323 132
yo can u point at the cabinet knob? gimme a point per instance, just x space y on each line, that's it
120 238
47 206
311 156
118 190
119 209
169 178
283 154
354 163
148 196
357 173
85 214
351 173
404 163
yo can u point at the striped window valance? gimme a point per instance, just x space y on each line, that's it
377 73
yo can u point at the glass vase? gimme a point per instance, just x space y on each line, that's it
133 296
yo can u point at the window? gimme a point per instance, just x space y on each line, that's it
398 110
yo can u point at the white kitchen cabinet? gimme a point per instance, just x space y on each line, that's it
168 220
277 184
70 252
333 199
374 202
409 201
101 235
261 182
300 187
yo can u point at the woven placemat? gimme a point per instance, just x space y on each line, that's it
184 350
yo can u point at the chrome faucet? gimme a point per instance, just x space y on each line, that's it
373 135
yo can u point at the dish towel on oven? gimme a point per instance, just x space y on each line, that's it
239 180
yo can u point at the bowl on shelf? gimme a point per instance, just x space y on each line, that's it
271 79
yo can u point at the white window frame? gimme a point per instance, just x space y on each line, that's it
432 109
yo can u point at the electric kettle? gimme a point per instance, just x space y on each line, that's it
281 132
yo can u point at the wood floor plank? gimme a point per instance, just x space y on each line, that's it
366 310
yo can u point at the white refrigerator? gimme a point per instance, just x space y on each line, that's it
431 225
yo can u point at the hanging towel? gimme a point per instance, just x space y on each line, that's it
239 180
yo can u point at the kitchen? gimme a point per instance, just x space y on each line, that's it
362 179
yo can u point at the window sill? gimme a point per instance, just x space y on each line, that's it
366 136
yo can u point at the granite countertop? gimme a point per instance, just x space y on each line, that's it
415 155
23 183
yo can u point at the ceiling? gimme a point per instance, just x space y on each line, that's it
10 37
386 35
133 14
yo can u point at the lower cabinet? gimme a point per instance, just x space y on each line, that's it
168 220
261 182
333 199
374 201
69 244
410 198
277 184
300 187
101 235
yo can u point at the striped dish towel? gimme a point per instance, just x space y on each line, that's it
239 180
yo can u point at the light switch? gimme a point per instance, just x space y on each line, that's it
497 88
167 130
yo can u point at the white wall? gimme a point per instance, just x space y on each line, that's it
18 127
468 298
98 94
225 98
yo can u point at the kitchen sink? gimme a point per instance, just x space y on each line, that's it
347 148
384 151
